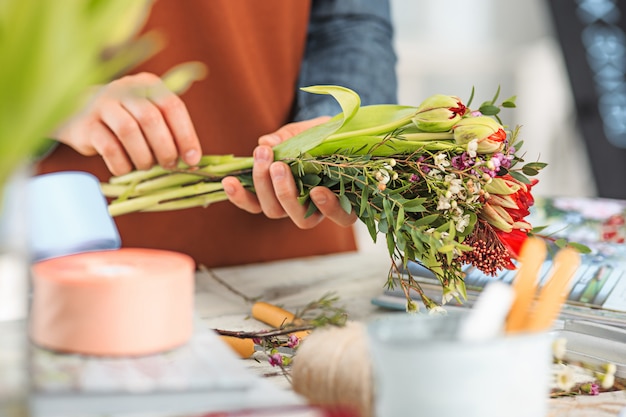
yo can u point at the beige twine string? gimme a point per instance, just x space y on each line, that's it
333 368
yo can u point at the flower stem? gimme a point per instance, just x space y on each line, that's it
148 201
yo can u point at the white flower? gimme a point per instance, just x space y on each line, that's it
435 173
441 160
607 380
456 186
382 176
449 293
559 348
461 222
412 307
564 376
443 203
437 311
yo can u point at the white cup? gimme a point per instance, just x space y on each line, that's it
422 368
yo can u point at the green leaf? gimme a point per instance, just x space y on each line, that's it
364 203
311 180
580 247
471 97
310 138
536 165
414 205
489 110
383 226
529 171
509 102
391 243
400 219
561 243
538 229
426 220
311 209
520 177
375 120
496 95
345 203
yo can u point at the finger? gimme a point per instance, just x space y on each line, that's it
155 131
127 130
180 125
328 204
108 146
289 130
263 158
241 197
287 194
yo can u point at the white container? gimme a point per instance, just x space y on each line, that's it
421 368
14 256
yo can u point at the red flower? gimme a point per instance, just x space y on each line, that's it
508 204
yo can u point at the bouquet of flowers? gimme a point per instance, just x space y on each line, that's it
445 184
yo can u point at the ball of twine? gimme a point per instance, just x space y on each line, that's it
333 369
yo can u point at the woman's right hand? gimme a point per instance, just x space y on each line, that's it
133 123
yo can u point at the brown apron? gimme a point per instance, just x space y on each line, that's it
253 51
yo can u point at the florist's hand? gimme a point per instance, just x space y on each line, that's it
276 192
134 122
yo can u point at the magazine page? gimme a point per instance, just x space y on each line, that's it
598 292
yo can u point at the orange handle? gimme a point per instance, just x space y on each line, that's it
276 317
555 290
243 347
532 256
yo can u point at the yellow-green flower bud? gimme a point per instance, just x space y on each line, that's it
439 113
488 133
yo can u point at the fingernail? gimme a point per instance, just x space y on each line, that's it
229 189
270 140
277 171
192 157
261 154
320 200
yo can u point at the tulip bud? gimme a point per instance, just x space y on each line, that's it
439 113
487 132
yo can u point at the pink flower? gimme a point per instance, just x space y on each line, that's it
276 359
293 341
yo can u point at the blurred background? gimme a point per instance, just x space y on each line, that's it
450 46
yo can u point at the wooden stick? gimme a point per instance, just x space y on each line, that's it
532 256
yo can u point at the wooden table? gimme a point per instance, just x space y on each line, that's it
355 277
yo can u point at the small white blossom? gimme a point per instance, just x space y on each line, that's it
559 348
437 311
565 378
441 161
461 222
607 380
382 176
412 307
443 203
435 173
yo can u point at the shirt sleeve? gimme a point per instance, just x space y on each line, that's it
349 43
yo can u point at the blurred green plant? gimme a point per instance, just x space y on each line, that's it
52 52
